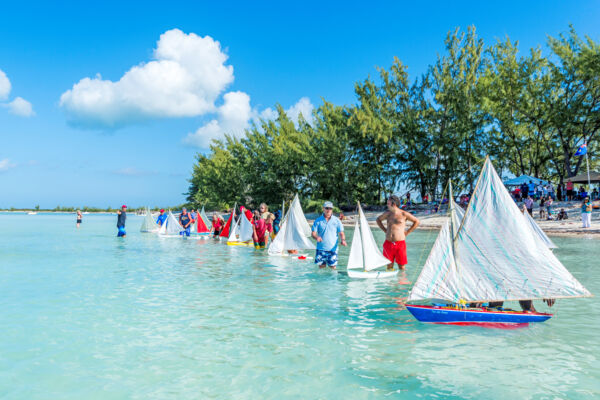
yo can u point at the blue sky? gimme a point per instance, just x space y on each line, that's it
66 149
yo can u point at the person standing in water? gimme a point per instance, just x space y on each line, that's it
186 222
162 217
79 218
121 217
394 247
325 230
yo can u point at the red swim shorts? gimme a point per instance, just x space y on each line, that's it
395 251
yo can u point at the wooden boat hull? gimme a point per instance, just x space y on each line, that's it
358 274
475 317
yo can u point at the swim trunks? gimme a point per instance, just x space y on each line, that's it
259 245
395 251
121 231
185 232
323 257
78 221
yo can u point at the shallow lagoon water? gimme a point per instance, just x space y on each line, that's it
86 315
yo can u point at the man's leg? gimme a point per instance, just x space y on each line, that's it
332 259
388 252
320 259
401 257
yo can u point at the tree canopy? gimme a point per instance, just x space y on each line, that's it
528 111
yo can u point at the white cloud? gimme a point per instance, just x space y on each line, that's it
233 117
236 114
21 107
4 86
5 165
184 80
304 107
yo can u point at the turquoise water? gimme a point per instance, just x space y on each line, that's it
86 315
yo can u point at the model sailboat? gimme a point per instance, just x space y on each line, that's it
149 224
201 226
231 220
365 256
293 232
205 219
490 255
241 232
171 227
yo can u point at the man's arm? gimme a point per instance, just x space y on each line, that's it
380 221
415 222
316 236
343 237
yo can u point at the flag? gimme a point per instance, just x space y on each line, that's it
581 150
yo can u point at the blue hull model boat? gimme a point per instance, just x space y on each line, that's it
475 316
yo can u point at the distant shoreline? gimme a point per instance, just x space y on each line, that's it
568 228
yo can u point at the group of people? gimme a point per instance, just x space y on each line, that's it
535 191
327 230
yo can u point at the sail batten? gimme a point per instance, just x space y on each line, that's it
497 254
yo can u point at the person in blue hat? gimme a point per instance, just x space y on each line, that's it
326 230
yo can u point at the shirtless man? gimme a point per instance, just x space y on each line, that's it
394 247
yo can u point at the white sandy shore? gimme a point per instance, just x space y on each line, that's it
569 227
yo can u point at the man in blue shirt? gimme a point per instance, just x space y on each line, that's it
121 217
325 231
186 222
161 218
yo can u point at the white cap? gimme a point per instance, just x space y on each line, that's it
328 204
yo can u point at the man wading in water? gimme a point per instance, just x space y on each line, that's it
394 247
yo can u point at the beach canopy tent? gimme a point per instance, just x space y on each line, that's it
518 181
583 178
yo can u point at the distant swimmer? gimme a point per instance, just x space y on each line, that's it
394 247
162 217
186 222
121 217
79 218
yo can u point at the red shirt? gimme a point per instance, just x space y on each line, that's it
217 224
262 228
569 185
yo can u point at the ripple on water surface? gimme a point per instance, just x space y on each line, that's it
87 315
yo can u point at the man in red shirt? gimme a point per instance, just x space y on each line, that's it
261 231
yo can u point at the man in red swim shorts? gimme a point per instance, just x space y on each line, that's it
394 247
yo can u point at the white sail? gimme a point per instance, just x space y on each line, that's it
296 209
246 229
364 253
293 232
539 232
171 225
355 258
234 231
149 224
205 219
242 231
494 256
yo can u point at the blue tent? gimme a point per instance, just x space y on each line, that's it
524 179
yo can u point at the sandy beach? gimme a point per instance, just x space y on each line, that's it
569 227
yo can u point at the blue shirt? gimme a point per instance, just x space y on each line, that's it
161 219
329 231
531 187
